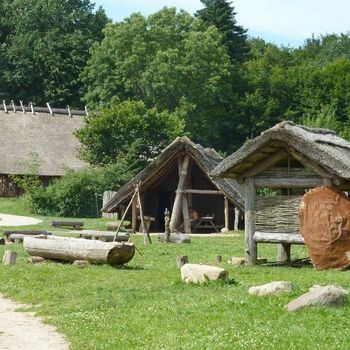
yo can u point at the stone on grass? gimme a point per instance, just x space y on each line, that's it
175 238
196 273
37 259
81 263
237 261
330 296
273 288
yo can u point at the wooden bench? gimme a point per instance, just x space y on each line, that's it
18 235
284 239
206 222
76 225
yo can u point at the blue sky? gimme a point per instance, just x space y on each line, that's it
287 22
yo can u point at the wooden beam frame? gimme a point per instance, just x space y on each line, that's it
287 182
208 192
263 164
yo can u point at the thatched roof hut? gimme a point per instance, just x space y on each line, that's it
291 159
37 135
160 184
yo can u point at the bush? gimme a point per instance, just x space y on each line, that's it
75 194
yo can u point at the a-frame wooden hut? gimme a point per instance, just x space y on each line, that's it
178 179
288 159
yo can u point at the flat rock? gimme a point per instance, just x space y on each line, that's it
273 288
325 226
196 273
237 261
330 296
36 259
81 263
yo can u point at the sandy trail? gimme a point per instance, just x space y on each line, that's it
22 330
15 220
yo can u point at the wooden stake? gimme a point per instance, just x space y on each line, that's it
134 214
9 258
146 236
181 260
125 212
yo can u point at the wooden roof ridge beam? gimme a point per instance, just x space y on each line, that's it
263 165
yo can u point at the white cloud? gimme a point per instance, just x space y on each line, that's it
294 18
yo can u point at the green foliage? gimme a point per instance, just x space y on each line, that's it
220 13
44 45
170 61
76 193
116 130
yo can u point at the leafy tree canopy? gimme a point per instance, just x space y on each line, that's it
221 14
114 131
44 45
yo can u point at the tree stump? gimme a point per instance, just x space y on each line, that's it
218 258
181 260
9 258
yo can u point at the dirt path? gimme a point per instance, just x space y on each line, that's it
15 220
21 330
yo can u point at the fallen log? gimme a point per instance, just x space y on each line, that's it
104 236
71 249
11 236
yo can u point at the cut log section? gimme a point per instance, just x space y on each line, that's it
71 249
104 236
325 226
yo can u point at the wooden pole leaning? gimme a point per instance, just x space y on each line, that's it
146 235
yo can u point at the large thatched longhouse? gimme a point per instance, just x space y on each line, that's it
42 136
291 159
178 179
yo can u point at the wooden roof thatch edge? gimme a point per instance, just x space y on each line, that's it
322 146
205 158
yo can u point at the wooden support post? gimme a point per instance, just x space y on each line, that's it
284 253
186 215
249 212
146 236
237 217
134 214
226 214
9 258
176 212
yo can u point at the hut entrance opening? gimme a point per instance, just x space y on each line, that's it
198 192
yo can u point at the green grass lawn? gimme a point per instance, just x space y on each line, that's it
145 306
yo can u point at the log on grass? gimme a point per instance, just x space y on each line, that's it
19 237
71 249
13 235
104 236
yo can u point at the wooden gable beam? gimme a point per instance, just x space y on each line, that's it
262 165
317 169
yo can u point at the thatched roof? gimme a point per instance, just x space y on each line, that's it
321 146
42 136
205 158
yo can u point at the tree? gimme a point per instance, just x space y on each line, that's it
168 61
44 46
221 14
114 131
